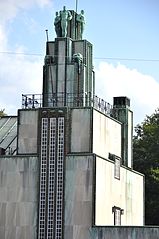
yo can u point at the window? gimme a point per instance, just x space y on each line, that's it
51 180
117 215
117 167
117 161
59 196
43 178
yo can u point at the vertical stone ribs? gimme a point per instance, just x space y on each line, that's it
51 178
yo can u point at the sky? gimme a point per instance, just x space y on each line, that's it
124 34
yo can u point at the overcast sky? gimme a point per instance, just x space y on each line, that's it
124 34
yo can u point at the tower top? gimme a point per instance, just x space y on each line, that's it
69 23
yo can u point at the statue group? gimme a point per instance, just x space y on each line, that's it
61 22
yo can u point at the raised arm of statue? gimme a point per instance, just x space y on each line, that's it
57 24
81 20
65 16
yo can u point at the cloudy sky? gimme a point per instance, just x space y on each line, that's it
124 34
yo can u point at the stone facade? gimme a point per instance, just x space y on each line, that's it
19 182
73 166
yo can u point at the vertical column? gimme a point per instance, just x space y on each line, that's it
61 76
85 78
130 137
60 172
124 115
49 76
51 181
43 179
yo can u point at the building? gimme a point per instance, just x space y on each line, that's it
66 163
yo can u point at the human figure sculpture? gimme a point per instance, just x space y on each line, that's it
57 24
65 16
81 21
78 58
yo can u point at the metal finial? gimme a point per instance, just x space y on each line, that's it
76 5
47 36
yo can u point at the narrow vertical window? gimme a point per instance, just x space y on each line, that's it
117 215
51 181
117 167
59 179
43 178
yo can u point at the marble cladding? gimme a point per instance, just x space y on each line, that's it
27 131
78 196
81 127
79 204
19 178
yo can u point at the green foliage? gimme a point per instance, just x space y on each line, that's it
146 161
2 113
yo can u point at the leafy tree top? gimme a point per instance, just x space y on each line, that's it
146 160
2 113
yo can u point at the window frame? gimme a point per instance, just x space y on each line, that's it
118 212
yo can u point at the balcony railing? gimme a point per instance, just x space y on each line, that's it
31 101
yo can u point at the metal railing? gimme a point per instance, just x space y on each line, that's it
32 101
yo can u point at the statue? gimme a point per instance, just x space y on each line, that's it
76 28
48 60
57 24
81 21
65 16
78 58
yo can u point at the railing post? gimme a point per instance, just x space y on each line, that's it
33 101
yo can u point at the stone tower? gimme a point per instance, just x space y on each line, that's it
68 81
74 139
68 71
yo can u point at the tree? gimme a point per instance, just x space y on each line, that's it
146 161
2 113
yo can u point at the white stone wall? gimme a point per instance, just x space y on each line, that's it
126 193
80 200
106 135
19 181
27 131
78 196
81 130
